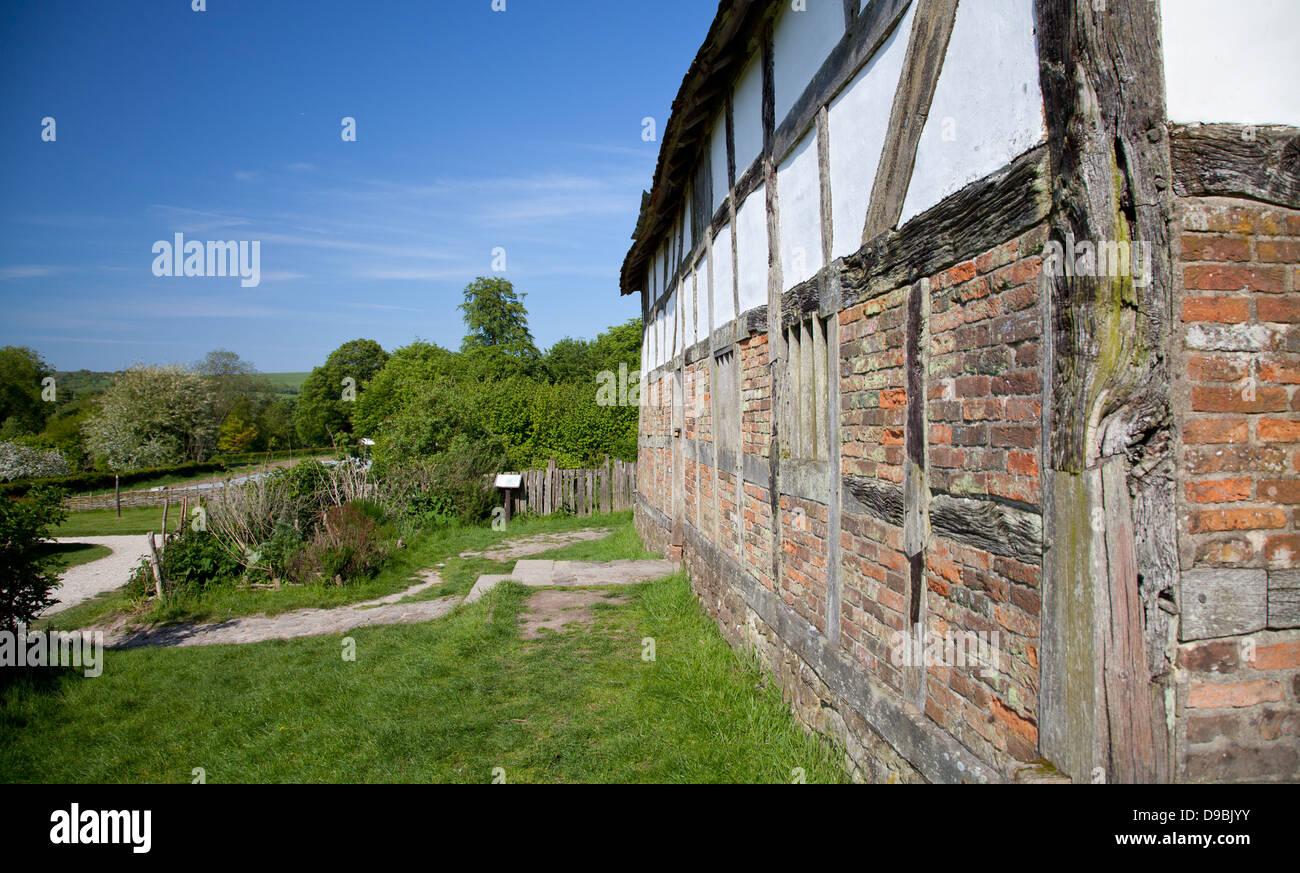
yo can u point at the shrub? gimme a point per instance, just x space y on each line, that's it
26 577
82 482
23 462
195 560
345 546
453 485
192 561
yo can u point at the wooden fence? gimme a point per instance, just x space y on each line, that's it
174 495
608 488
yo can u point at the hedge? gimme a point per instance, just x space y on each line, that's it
79 482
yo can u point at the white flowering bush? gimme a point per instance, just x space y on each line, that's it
23 462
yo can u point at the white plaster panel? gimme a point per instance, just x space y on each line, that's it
858 120
718 163
673 340
987 106
801 42
799 188
747 114
701 300
654 339
1235 62
724 304
751 250
662 355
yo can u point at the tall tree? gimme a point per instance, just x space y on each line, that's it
22 411
324 409
232 381
152 416
495 315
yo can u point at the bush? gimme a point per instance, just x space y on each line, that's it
26 577
346 546
192 561
195 560
22 462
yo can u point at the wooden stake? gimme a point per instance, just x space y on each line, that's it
157 567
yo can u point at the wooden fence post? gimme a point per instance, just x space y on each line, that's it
157 568
117 494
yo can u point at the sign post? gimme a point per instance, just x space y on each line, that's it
508 482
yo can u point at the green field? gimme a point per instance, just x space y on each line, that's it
105 523
449 700
287 383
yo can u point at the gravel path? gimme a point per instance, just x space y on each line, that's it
84 582
393 609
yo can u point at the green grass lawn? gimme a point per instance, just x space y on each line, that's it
445 701
105 523
69 555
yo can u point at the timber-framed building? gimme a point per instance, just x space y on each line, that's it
978 322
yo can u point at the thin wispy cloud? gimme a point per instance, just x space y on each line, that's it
27 271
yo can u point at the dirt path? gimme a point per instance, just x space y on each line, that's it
84 582
393 609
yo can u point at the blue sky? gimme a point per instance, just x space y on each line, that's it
475 130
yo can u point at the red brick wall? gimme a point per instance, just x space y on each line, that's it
1241 720
985 437
756 437
804 531
1240 311
872 393
1238 404
873 402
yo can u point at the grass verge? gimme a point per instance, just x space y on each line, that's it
445 701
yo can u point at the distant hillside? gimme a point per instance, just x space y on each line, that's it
83 382
287 383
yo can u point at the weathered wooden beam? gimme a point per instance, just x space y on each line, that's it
984 214
863 37
1237 160
931 30
1102 80
994 527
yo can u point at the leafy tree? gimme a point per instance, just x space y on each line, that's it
153 416
324 409
232 380
22 411
26 576
275 424
569 360
403 380
495 315
236 434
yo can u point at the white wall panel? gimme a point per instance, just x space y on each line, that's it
724 304
751 250
801 42
702 300
858 120
799 189
673 341
718 163
1234 62
747 113
987 106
